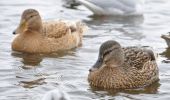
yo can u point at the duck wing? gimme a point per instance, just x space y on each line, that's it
138 56
60 28
151 71
55 29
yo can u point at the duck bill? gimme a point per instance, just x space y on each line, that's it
20 28
97 65
165 37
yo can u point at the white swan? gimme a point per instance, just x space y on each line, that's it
114 7
56 94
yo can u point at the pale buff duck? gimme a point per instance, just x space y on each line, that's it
35 36
123 68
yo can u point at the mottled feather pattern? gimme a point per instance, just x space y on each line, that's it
59 28
137 71
55 29
136 56
150 69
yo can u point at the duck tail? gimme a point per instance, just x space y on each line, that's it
150 68
77 27
150 51
81 27
152 54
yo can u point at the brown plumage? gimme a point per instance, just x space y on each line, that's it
35 36
123 68
167 39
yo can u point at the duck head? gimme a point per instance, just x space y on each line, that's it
110 55
30 22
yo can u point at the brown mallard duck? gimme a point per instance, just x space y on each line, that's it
167 38
123 68
35 36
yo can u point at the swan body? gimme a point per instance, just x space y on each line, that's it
114 7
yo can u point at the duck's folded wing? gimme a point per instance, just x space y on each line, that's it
151 71
55 29
137 56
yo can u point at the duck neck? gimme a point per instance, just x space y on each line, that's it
33 33
36 27
116 61
37 30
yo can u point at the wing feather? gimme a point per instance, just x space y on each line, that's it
55 29
137 57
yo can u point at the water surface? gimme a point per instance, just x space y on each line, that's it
29 77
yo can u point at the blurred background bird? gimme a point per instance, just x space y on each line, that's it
112 7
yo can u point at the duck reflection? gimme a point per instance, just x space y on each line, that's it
127 20
32 83
28 71
29 59
152 89
33 60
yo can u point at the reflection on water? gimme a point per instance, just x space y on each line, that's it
36 59
153 89
30 76
32 83
29 59
125 20
129 26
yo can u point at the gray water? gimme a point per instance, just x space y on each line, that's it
29 77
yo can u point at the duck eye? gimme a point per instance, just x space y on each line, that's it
31 16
